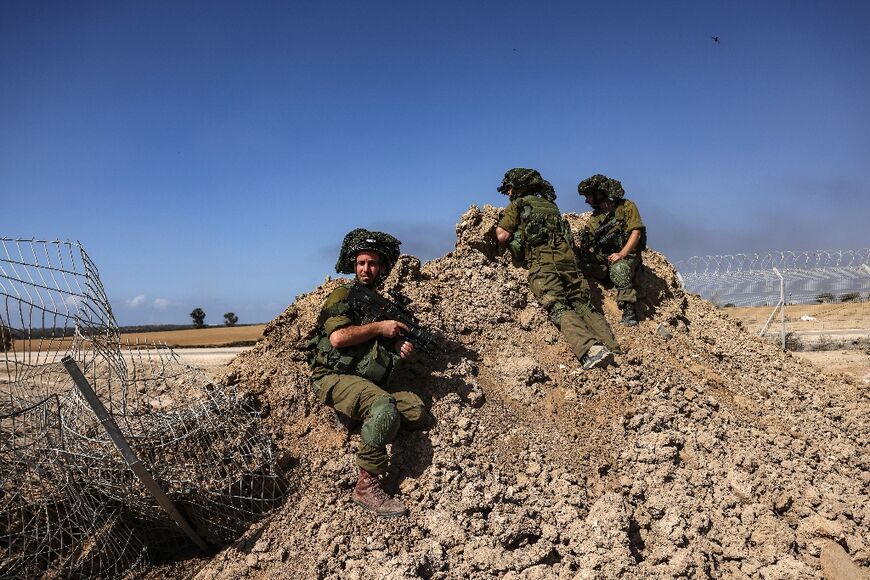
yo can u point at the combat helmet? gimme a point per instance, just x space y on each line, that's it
599 183
526 182
362 239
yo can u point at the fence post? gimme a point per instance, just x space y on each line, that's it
782 306
127 453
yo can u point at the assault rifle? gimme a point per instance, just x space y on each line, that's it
375 307
607 236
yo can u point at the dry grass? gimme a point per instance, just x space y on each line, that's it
837 316
202 337
193 337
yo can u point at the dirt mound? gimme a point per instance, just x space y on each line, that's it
703 452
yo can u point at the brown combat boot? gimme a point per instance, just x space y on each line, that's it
369 495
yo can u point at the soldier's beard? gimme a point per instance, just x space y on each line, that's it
371 283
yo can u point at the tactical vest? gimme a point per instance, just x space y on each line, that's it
616 233
374 359
541 226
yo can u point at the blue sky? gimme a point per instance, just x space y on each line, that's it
213 154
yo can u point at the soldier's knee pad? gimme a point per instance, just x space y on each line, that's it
620 274
382 424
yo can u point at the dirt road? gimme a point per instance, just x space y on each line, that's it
210 359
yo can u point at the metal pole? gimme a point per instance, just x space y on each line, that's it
769 318
129 455
782 308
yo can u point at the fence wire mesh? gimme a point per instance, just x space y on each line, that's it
69 504
751 279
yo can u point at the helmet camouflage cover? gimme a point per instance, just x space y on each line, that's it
524 182
361 239
612 188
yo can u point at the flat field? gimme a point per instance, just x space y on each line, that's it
819 326
218 336
202 337
850 362
808 317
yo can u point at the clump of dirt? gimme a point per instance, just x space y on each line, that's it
703 452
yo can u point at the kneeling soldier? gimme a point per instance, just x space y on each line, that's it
352 363
612 241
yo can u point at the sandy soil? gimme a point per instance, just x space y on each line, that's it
211 360
851 362
703 452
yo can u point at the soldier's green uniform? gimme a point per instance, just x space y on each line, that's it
607 232
355 381
626 219
541 241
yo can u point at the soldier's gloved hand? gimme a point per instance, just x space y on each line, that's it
404 348
392 328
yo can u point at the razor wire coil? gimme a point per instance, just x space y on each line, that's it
751 280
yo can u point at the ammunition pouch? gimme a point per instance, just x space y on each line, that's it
541 223
536 230
517 249
370 360
376 364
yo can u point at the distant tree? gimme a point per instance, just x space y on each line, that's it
230 319
730 305
5 338
824 297
850 297
198 316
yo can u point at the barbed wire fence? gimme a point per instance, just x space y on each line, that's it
70 504
781 280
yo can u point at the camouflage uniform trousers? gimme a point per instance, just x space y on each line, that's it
622 273
563 292
353 396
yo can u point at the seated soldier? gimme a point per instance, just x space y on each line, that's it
612 241
352 363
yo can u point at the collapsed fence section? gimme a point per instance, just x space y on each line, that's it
69 503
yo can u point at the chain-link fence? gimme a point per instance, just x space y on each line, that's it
70 504
814 295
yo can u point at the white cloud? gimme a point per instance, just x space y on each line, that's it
136 302
161 303
72 301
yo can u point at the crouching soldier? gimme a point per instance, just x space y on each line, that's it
352 363
612 241
540 239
